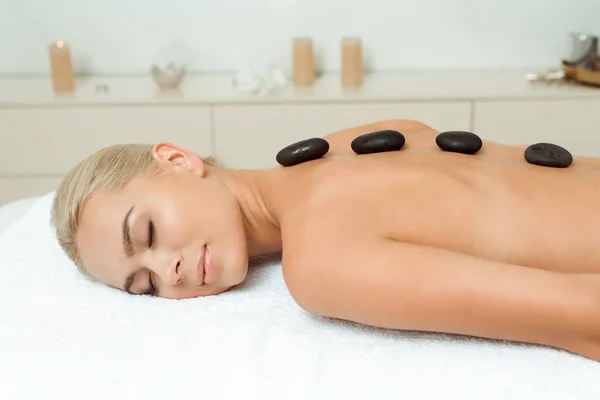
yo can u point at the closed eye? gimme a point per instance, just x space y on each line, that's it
150 234
152 289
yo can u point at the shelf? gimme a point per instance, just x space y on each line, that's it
219 89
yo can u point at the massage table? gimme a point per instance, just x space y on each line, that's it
63 337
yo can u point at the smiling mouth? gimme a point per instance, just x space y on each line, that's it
202 267
207 265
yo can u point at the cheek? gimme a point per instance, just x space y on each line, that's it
185 214
225 220
172 217
176 225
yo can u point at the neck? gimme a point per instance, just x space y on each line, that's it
256 193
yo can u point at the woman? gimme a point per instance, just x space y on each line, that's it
422 239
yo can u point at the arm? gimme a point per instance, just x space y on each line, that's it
404 286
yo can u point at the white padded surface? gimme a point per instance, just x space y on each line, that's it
63 337
13 211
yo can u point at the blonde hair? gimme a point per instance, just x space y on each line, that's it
111 168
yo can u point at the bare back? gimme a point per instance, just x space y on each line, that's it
500 209
492 205
485 245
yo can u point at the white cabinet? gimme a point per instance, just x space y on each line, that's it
41 144
571 123
42 135
249 136
50 141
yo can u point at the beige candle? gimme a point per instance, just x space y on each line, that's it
62 70
352 62
304 62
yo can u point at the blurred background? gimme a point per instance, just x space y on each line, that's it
127 36
75 76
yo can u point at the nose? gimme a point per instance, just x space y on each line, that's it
168 267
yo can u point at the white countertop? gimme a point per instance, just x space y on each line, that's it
219 89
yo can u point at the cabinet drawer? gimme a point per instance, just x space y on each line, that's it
250 136
51 141
573 124
18 188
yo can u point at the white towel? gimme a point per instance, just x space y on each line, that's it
63 337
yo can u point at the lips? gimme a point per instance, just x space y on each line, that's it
201 267
207 265
204 267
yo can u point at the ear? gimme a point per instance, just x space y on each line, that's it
177 158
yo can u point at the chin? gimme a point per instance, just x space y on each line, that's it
240 275
218 291
231 274
239 269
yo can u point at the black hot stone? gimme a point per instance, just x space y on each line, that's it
378 142
459 142
303 151
548 155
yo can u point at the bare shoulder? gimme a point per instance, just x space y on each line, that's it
419 136
413 130
312 239
404 125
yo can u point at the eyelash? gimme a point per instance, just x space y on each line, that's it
152 289
150 234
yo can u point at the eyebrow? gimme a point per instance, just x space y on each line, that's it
127 246
129 283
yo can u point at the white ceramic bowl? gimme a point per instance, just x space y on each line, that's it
168 78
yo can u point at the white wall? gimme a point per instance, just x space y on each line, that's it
127 36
